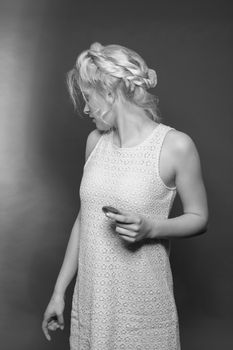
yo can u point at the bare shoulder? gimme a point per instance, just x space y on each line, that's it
181 146
92 140
181 141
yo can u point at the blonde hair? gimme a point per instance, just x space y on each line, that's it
118 69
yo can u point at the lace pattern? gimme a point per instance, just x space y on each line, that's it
123 296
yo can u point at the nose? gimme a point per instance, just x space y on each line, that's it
86 109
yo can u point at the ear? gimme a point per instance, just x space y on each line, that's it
110 97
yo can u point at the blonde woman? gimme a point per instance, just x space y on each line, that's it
123 296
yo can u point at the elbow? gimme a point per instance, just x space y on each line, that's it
204 225
204 230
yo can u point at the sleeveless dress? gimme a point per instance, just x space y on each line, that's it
123 296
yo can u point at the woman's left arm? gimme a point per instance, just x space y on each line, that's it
191 189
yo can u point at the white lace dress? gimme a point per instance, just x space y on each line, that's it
123 296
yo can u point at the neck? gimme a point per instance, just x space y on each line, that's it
131 124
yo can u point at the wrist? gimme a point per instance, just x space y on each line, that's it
155 229
58 295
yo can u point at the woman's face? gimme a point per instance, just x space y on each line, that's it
95 106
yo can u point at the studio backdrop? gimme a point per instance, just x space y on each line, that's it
42 151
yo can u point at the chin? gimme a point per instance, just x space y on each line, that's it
102 127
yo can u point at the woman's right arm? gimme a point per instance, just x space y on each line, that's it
70 263
53 315
69 266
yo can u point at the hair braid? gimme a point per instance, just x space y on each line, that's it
105 67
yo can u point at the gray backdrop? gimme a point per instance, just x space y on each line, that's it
189 44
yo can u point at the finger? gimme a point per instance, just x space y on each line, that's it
51 322
120 218
125 232
53 327
127 238
127 227
125 212
60 321
45 330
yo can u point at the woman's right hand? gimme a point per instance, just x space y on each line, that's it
53 315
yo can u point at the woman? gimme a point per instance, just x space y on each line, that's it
123 296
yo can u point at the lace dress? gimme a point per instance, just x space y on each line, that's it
123 296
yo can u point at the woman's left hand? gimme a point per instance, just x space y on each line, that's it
131 227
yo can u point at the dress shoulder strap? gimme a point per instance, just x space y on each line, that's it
160 137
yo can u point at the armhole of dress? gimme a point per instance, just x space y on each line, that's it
158 159
93 151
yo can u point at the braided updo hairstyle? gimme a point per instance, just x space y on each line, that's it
118 69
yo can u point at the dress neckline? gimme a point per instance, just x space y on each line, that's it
138 145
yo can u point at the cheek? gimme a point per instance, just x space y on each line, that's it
95 107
